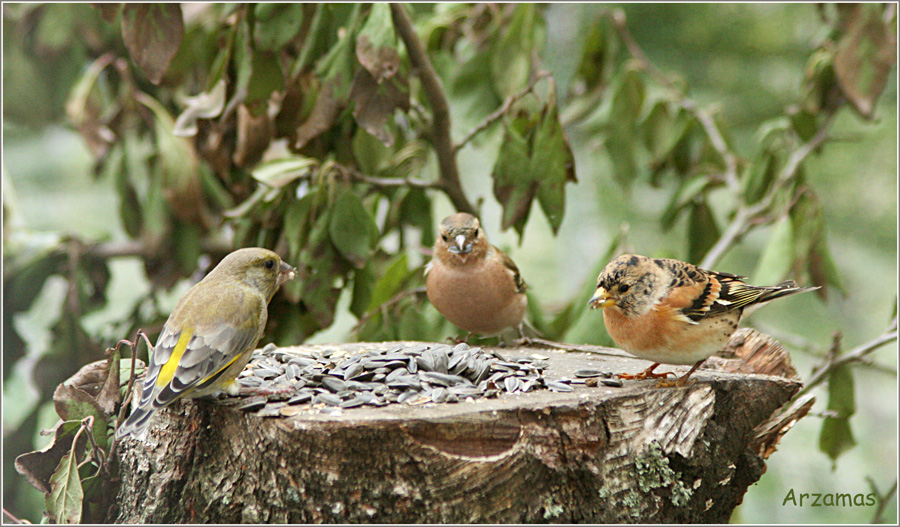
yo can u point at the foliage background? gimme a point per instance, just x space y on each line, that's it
744 61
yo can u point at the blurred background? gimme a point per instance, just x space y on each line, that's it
745 61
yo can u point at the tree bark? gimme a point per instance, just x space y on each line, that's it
599 454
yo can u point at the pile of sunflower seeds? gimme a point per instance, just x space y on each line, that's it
413 374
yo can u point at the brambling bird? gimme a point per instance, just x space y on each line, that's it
472 283
211 334
672 312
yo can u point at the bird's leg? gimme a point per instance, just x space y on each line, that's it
681 381
457 340
646 374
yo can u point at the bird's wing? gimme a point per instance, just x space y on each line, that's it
184 361
517 277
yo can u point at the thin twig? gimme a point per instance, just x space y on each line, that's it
356 175
13 518
500 112
745 214
881 499
855 355
384 306
129 390
440 132
718 142
582 348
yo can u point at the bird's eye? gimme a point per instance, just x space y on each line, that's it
624 288
476 233
444 237
270 264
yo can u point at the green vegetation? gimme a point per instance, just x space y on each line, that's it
144 141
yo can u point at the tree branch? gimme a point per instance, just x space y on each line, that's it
745 213
503 110
834 360
718 142
356 175
440 132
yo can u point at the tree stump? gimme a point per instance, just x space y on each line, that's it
598 454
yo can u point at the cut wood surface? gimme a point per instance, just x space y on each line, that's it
598 454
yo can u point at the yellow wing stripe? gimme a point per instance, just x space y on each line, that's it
168 370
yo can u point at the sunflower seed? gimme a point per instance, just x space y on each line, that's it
353 370
251 382
253 403
327 398
334 384
405 396
439 395
352 403
584 374
612 382
557 386
303 396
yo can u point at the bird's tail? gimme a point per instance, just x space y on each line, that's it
769 293
137 423
788 287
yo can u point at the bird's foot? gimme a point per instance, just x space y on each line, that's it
646 374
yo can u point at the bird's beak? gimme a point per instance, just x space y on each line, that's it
285 273
460 246
600 299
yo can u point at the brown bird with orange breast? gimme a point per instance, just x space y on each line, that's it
472 283
672 312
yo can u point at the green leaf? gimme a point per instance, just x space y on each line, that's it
687 192
411 324
415 209
778 256
152 33
337 68
66 495
74 404
702 231
511 53
759 176
363 288
277 173
514 183
553 160
188 244
628 98
276 24
376 44
836 436
389 284
597 51
374 104
865 56
266 77
822 269
809 223
178 165
804 123
352 229
621 154
296 225
662 131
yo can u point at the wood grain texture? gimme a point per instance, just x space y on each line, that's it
598 454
